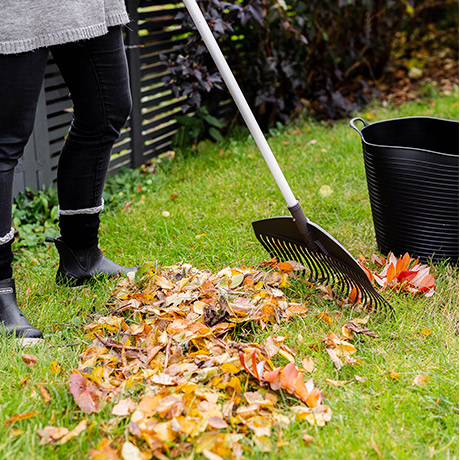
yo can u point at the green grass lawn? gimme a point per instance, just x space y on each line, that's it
199 210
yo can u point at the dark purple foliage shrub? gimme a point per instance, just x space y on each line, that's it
287 54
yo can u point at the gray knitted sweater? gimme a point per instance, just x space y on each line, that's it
26 25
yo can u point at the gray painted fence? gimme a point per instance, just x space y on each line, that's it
151 126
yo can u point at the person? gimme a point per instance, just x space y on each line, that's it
85 40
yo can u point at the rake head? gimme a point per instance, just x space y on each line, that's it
328 262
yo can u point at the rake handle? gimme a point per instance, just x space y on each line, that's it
240 101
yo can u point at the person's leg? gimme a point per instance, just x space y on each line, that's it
21 78
96 73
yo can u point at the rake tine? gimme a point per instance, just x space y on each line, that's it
323 268
264 241
298 256
345 285
284 251
303 256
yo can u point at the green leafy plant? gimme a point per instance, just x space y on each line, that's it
35 216
195 127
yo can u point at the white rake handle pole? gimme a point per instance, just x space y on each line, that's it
238 97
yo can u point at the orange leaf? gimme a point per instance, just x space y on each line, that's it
313 398
353 295
391 272
300 389
285 267
287 376
22 416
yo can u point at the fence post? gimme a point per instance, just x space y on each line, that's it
134 62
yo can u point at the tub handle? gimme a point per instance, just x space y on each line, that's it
352 124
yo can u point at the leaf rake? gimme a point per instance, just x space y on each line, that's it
293 238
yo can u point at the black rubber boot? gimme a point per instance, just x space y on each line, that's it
12 320
77 266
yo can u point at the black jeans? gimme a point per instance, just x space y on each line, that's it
96 74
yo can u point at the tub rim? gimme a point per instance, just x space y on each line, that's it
367 125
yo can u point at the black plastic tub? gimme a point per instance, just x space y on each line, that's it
412 177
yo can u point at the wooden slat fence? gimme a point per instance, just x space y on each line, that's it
151 126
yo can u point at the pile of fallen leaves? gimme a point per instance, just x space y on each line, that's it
171 365
403 274
165 360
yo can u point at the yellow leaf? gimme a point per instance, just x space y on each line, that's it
325 317
131 452
337 383
394 375
55 368
287 355
230 368
426 332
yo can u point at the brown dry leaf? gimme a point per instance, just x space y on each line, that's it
340 346
357 329
308 364
44 393
421 380
217 422
22 416
23 381
51 434
75 432
335 359
30 360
